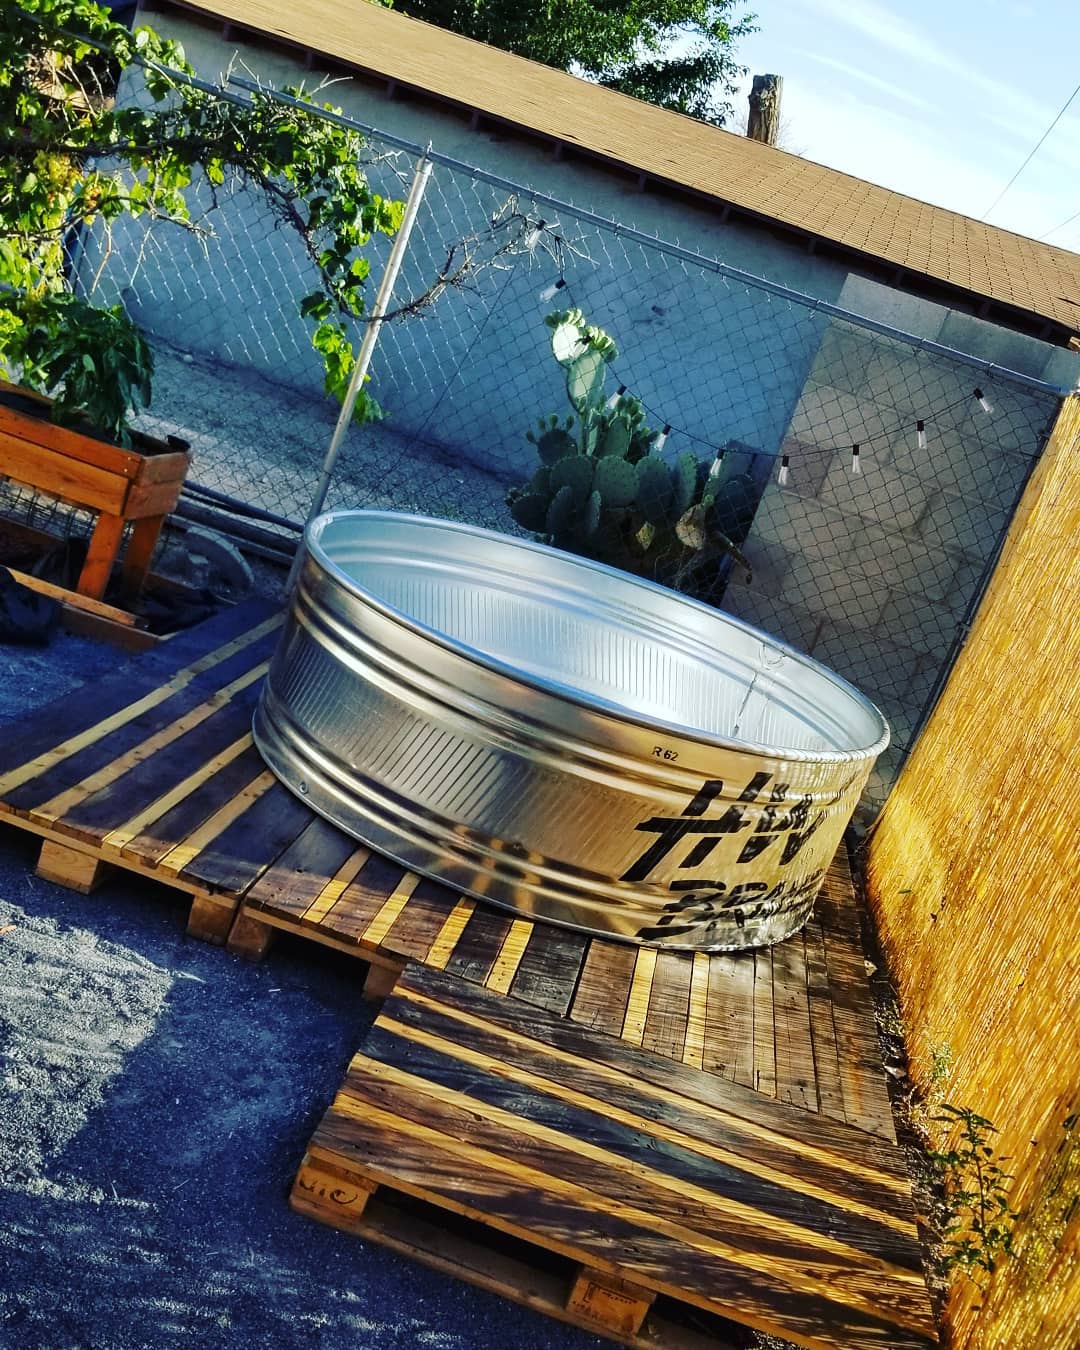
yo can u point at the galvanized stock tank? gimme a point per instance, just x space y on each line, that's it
561 738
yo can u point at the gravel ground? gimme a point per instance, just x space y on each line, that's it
156 1095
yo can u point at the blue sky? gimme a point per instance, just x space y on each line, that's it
940 99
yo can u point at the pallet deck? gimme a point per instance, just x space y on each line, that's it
651 1177
153 771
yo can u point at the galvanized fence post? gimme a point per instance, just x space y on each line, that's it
374 323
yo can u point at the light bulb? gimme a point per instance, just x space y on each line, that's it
782 476
984 402
550 292
920 434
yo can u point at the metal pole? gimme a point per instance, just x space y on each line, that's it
424 167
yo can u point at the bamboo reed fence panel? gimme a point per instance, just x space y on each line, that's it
973 881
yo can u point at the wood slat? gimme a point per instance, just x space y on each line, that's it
509 957
475 951
664 1032
796 1080
729 1034
146 781
249 843
826 1056
548 971
468 1060
764 1028
420 922
604 986
351 915
95 745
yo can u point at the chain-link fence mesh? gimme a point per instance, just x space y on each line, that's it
870 559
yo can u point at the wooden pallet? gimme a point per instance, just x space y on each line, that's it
647 1178
154 771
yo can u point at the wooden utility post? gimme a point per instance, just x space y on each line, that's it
764 121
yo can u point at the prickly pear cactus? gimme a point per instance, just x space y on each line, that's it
602 490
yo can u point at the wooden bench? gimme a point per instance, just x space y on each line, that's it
647 1180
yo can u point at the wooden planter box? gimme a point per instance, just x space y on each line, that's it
139 485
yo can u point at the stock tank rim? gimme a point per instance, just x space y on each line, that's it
582 699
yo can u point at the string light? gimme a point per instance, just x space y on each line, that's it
533 237
784 474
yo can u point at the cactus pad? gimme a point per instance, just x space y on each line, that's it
616 439
560 514
585 380
576 473
655 490
616 481
685 480
530 511
590 521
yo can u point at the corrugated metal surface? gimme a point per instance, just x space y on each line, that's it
911 234
561 738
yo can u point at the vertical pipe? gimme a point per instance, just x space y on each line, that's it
424 167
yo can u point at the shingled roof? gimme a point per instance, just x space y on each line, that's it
1030 280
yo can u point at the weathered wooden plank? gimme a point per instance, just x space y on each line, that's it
509 957
156 838
826 1058
146 780
862 1079
795 1077
637 1005
764 1030
664 1032
362 899
837 1171
729 1034
478 946
73 769
419 923
446 938
548 971
701 1187
249 844
75 720
604 986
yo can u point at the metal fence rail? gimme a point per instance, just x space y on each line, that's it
871 558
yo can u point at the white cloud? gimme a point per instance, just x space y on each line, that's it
895 91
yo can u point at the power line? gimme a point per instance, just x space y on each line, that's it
1075 215
1032 153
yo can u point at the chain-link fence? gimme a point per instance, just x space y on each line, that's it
826 479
